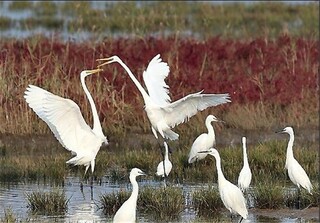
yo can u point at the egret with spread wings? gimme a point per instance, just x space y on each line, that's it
64 118
164 115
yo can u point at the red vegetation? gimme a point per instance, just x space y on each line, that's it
276 72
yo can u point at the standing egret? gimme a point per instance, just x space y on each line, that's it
203 142
296 173
127 212
231 196
245 175
164 115
64 118
165 166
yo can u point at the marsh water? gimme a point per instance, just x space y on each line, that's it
83 206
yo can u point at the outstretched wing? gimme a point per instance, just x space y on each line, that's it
181 110
154 77
63 117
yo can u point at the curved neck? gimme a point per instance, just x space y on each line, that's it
135 189
221 177
210 129
135 81
290 145
96 122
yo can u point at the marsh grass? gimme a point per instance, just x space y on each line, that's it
9 216
111 202
47 203
291 198
268 196
207 201
164 204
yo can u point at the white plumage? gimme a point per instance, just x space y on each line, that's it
230 194
64 118
245 175
296 173
164 115
167 163
127 212
203 142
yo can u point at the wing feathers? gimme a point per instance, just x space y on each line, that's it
154 77
181 110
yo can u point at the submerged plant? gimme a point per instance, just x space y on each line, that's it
48 203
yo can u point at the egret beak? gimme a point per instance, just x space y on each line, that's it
94 71
280 131
207 151
108 60
142 173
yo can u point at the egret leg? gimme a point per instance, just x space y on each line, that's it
241 218
299 200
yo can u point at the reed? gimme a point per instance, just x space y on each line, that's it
48 203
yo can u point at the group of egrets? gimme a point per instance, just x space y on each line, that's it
65 120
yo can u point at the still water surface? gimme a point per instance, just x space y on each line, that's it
84 206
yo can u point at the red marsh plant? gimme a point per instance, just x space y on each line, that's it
280 75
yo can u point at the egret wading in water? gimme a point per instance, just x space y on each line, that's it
230 194
64 118
296 173
127 212
164 115
245 175
165 166
203 142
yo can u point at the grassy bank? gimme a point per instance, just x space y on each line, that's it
199 19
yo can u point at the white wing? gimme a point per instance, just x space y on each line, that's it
154 77
63 117
181 110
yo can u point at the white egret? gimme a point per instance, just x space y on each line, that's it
64 118
127 212
203 142
164 115
165 166
231 196
245 175
295 171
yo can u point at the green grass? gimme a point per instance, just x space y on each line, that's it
207 202
48 203
110 203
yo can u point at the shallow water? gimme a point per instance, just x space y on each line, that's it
83 206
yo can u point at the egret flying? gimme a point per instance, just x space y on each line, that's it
231 196
127 212
64 118
245 175
203 142
165 166
164 115
296 173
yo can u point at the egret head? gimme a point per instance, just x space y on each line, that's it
211 151
109 60
288 130
136 172
85 73
244 140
